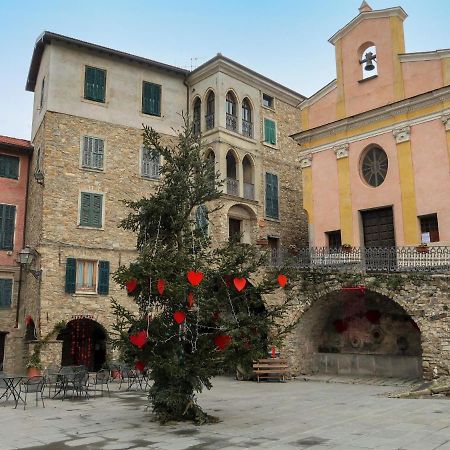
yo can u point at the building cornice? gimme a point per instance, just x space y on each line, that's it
425 56
375 115
378 14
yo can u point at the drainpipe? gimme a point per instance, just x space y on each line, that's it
187 96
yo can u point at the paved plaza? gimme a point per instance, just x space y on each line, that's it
297 414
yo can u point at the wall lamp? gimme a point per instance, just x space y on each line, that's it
26 258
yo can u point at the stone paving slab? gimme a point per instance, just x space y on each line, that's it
280 416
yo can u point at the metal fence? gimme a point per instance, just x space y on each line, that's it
359 259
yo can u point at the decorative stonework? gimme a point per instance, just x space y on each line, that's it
306 162
341 151
402 134
446 121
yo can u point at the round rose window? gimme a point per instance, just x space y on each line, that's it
374 166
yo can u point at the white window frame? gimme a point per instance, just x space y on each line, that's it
92 290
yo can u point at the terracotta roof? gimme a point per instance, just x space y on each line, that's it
14 143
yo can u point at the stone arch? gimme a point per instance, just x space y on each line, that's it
84 343
347 332
241 223
232 165
210 108
231 110
362 54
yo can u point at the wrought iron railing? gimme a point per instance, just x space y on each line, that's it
231 122
375 259
249 191
232 186
247 128
209 121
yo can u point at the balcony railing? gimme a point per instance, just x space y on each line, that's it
209 120
435 259
232 186
249 191
247 128
231 122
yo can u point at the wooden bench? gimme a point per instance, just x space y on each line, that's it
271 369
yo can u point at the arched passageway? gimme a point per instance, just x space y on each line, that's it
84 343
349 332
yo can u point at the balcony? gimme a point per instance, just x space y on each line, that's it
232 186
247 129
249 191
209 120
434 259
231 122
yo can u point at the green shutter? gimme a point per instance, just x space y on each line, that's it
271 195
94 84
103 278
96 211
91 210
71 275
6 285
151 99
7 222
9 167
270 134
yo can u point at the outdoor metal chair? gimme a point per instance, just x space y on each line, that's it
130 376
102 378
34 385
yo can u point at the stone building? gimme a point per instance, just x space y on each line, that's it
375 158
89 106
14 160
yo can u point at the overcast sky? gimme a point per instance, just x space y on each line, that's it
286 40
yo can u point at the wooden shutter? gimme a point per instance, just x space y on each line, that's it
270 135
7 222
96 210
71 275
151 99
87 152
91 210
271 195
6 292
150 166
89 83
85 209
100 84
97 153
9 167
103 278
94 84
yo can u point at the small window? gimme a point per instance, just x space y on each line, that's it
150 165
94 84
267 101
86 276
429 228
7 225
93 151
9 167
270 132
6 285
151 99
272 196
334 239
41 100
91 210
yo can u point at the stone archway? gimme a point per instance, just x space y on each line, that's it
347 332
84 343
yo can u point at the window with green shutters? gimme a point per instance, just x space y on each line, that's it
93 151
7 223
151 98
270 132
94 84
6 285
9 167
272 196
83 276
91 209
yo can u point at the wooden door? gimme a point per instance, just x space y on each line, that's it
378 227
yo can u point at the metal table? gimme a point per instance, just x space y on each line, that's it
12 381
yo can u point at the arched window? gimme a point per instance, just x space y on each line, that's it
248 177
247 120
232 182
368 61
231 111
211 158
210 106
196 116
201 219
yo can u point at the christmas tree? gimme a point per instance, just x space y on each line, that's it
199 314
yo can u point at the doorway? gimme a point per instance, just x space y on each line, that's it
378 227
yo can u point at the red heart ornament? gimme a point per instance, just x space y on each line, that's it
222 341
131 285
179 317
139 339
195 278
139 365
160 286
239 283
190 299
282 280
